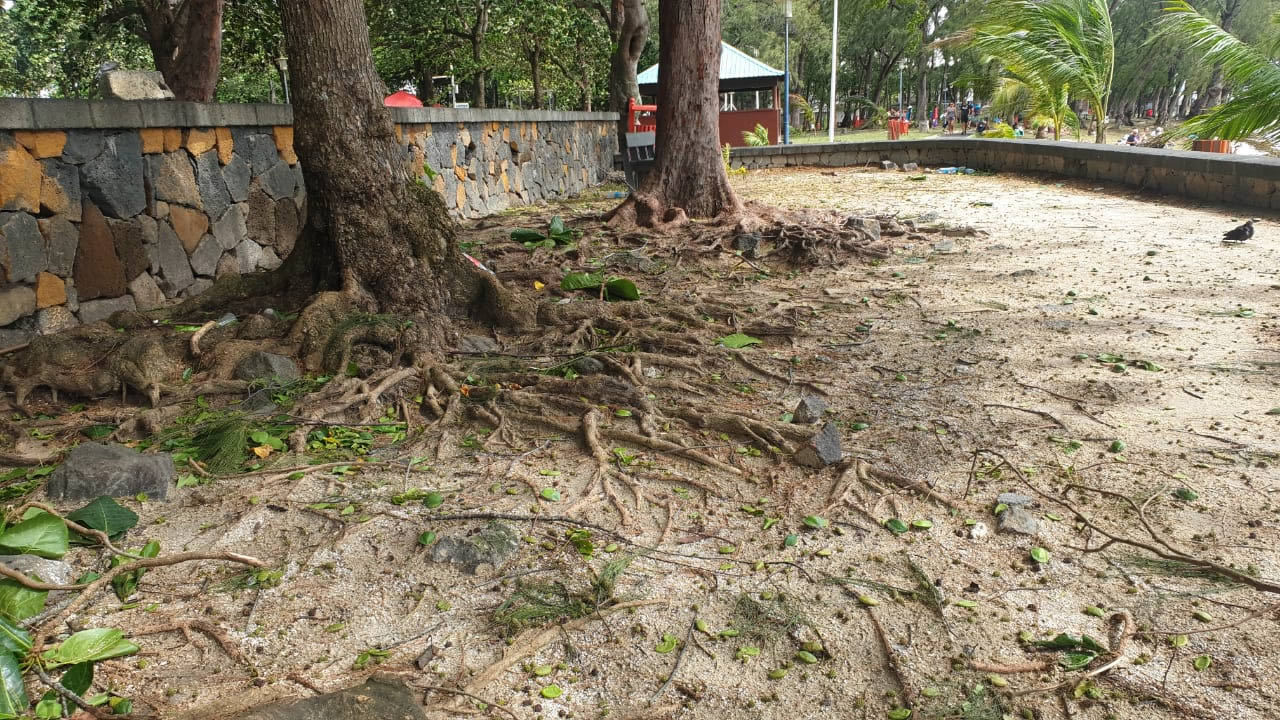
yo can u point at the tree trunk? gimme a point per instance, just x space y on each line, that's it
688 173
629 26
535 69
1213 96
388 241
477 80
186 45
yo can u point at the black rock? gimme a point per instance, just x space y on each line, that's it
587 365
809 410
748 244
93 470
113 179
822 449
259 365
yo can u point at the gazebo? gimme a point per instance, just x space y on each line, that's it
739 73
403 98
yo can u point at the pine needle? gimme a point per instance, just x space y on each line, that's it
222 444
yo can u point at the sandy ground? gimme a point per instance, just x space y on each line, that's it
955 345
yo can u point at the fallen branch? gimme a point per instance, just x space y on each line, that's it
1011 668
464 693
208 628
891 657
679 659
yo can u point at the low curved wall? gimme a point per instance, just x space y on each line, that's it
1239 180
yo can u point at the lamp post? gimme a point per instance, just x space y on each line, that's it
786 75
901 64
282 62
831 109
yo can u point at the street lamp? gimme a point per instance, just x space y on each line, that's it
786 75
901 64
282 62
831 111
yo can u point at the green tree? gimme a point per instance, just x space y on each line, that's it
1067 43
1255 106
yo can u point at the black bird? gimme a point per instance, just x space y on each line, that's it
1240 234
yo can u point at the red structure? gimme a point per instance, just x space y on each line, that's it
402 99
740 75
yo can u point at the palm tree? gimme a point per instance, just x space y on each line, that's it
1059 45
1031 96
1254 107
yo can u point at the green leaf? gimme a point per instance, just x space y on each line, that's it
1040 555
1117 446
738 340
1001 507
433 500
791 540
1062 641
550 494
668 643
14 639
777 674
557 226
1095 611
966 604
1202 663
13 694
43 535
898 714
551 692
89 646
526 235
1274 411
1185 494
1202 616
17 602
622 412
97 432
621 289
806 657
427 538
868 600
78 678
921 524
896 526
107 515
581 281
49 708
815 522
1109 358
1076 660
1091 645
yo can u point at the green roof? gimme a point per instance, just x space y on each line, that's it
735 66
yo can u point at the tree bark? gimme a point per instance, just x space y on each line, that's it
688 172
629 28
1213 96
388 242
535 69
186 44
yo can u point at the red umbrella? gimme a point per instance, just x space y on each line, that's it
402 99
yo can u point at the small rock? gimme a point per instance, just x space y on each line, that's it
478 344
15 303
37 568
147 295
910 167
1012 499
869 226
490 546
259 403
944 246
379 698
92 470
134 85
55 319
1027 272
95 310
888 165
809 410
424 659
822 449
748 244
587 365
259 365
257 327
979 530
1018 519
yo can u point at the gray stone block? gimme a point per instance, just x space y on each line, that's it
822 449
92 311
257 147
173 179
114 179
83 146
55 319
212 186
147 295
204 261
61 114
260 365
25 247
61 238
237 175
60 189
92 470
16 114
231 229
16 303
174 267
278 182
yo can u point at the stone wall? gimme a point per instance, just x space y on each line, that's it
1249 181
108 206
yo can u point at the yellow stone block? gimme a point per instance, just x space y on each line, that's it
284 143
42 143
52 196
462 196
506 183
152 140
172 139
19 178
226 145
506 134
438 184
460 171
50 290
201 141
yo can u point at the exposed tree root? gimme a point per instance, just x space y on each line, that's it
208 628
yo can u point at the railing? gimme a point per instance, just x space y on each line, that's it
641 118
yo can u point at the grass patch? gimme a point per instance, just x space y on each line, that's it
542 603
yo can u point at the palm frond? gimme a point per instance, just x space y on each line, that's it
1255 106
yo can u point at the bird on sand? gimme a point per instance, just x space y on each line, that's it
1239 234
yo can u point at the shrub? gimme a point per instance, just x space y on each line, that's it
999 130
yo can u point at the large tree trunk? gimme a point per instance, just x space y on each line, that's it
387 241
535 69
688 172
629 28
186 44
